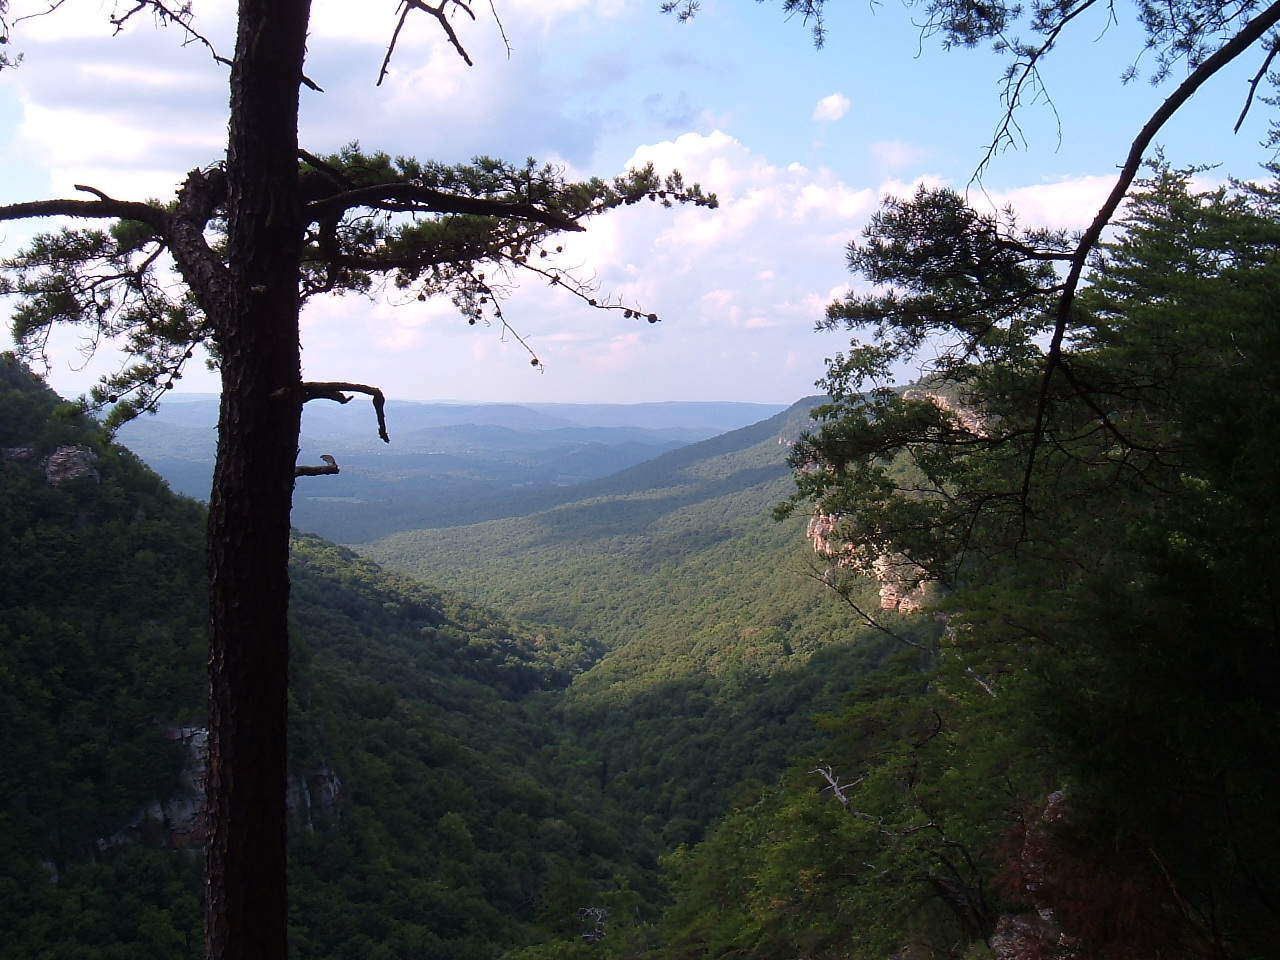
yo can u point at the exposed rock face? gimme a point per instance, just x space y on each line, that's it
179 822
968 419
1035 936
67 463
314 799
821 527
903 584
10 454
183 815
1028 937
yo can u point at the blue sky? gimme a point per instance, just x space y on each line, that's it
800 144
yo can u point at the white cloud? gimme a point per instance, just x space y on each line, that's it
892 155
1068 204
832 107
738 290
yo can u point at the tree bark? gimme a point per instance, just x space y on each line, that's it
257 333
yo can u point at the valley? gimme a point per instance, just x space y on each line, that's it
482 777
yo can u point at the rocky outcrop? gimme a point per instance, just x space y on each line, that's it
1028 937
966 418
67 463
1035 936
178 822
313 801
904 586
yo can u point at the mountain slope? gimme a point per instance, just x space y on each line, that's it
721 643
433 803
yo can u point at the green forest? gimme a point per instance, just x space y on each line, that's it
691 734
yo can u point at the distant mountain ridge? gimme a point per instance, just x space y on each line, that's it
663 471
444 458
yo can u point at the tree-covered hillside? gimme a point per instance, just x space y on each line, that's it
1085 763
434 811
721 644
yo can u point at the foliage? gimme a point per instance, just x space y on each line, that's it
1113 563
448 811
103 629
433 229
720 644
6 59
885 842
250 238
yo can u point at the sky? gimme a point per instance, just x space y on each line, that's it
800 145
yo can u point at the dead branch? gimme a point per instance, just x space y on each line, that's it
166 15
330 467
337 392
501 29
1018 80
983 683
1257 79
439 13
834 784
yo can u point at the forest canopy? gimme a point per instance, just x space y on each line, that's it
1104 542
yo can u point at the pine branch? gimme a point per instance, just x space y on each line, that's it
410 198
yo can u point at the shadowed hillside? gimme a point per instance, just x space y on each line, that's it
433 802
721 644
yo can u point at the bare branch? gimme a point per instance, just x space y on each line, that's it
983 683
337 392
834 784
180 17
1257 79
1017 80
53 6
103 209
498 20
395 36
439 13
330 467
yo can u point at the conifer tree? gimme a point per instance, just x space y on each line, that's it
252 236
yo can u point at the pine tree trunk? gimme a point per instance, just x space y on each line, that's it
246 900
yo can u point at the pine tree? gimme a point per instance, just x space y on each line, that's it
252 236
